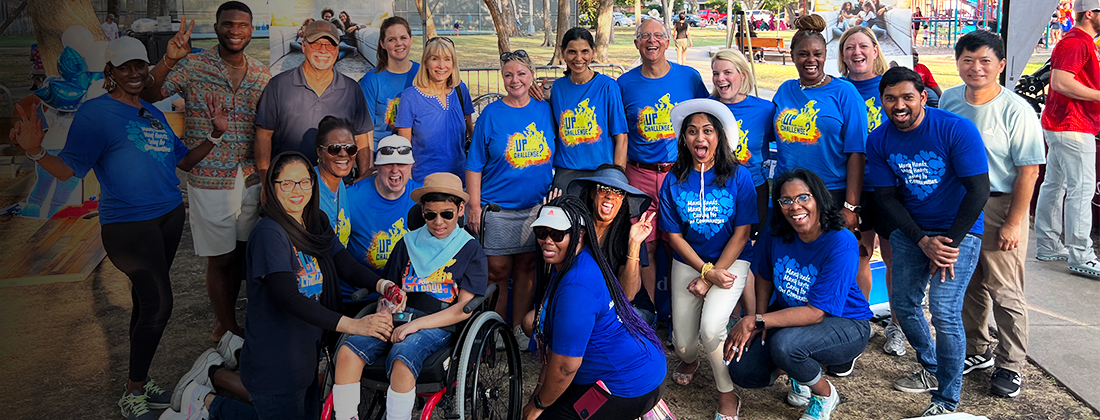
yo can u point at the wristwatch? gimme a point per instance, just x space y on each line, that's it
538 402
853 209
760 322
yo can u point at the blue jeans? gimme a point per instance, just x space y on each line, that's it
301 405
800 351
412 351
943 356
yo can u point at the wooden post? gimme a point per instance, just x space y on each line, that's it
52 17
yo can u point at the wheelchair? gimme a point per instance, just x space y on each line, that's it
477 377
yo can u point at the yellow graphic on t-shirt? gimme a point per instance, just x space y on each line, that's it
793 125
655 122
741 150
391 111
528 148
343 227
440 284
874 115
579 125
382 244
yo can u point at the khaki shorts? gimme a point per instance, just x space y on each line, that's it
682 44
221 218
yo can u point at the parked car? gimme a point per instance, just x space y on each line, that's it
710 15
693 20
619 19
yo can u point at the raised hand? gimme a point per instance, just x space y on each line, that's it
219 114
641 229
177 46
27 130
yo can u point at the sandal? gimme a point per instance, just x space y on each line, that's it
720 416
683 378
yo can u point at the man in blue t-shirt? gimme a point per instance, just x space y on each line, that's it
937 162
649 92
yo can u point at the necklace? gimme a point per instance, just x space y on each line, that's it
235 67
818 84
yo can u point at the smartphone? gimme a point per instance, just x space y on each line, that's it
590 402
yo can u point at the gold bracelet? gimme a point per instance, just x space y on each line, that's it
703 272
633 258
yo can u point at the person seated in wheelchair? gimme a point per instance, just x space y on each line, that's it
585 325
441 268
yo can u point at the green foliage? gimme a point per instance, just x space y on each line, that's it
589 13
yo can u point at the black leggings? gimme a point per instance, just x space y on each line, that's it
144 251
615 408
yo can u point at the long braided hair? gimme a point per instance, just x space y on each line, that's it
580 221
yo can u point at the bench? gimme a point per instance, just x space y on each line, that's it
781 53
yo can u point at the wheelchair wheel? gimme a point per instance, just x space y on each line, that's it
489 380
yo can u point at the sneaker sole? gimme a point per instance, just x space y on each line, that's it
895 353
846 373
1049 258
1087 271
914 390
982 366
197 370
998 392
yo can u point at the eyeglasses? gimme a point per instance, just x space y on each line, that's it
323 46
645 36
334 149
153 121
513 54
401 150
287 185
785 202
541 232
609 192
443 38
447 215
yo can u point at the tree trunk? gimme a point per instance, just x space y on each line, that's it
499 22
604 27
52 17
426 16
156 8
565 8
129 16
548 33
508 13
637 13
112 7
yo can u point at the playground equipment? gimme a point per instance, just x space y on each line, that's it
946 20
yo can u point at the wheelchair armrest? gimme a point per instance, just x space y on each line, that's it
361 294
478 300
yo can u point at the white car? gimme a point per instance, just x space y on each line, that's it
619 19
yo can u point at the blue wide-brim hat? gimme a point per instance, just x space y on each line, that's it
636 200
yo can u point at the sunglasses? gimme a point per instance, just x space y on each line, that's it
334 149
541 232
609 192
322 46
513 54
153 121
401 150
447 215
443 38
786 202
287 185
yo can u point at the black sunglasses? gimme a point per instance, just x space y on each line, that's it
447 215
512 54
401 150
541 232
153 121
442 38
334 149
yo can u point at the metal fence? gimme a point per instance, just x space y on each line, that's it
487 80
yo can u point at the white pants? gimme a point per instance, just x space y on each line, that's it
221 218
1071 173
705 320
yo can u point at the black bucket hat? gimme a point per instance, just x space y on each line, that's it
636 200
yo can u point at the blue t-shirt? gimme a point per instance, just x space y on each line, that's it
438 132
587 116
382 91
727 207
379 222
335 205
817 128
134 162
583 323
512 148
648 105
755 117
868 90
926 163
821 273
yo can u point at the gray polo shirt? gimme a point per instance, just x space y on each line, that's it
290 108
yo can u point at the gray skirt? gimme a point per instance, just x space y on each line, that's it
508 232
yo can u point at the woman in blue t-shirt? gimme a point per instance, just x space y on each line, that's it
585 325
708 204
510 165
806 261
588 109
393 74
336 152
435 113
134 154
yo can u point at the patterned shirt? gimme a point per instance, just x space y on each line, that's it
193 78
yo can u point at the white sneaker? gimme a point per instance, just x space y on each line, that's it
195 403
799 395
895 340
228 347
1090 267
821 408
522 339
199 373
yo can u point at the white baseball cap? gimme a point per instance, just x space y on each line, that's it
395 142
552 217
124 49
1086 5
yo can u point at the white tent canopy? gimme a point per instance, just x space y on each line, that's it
1027 19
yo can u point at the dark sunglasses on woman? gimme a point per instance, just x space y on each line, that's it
446 214
542 232
334 149
511 54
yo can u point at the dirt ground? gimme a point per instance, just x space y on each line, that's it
64 348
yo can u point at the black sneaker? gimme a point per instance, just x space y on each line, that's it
842 370
978 361
1005 383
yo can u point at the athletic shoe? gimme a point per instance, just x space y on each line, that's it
922 381
156 397
799 395
228 347
200 373
843 370
895 340
522 339
1058 256
135 406
1090 267
821 408
978 361
170 414
934 409
194 405
1005 383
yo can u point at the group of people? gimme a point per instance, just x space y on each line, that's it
303 184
